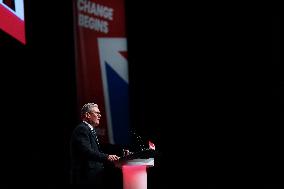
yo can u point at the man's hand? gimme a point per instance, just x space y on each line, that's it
113 157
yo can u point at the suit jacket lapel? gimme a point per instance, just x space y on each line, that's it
95 137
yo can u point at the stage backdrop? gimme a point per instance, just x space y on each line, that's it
102 66
12 19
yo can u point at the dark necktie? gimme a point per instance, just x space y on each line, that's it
95 135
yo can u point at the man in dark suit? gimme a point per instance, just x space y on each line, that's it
87 160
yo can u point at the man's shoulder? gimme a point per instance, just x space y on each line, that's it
80 131
81 127
81 124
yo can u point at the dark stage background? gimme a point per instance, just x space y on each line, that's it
193 93
38 97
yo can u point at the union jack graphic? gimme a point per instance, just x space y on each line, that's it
114 70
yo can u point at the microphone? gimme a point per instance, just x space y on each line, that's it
139 148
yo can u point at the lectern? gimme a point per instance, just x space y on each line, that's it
134 168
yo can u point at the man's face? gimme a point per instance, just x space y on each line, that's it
94 116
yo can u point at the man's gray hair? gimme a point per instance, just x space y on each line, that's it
87 107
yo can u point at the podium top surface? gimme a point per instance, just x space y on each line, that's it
145 157
144 154
148 162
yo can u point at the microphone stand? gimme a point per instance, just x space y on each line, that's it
138 140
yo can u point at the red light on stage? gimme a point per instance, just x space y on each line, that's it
151 145
12 19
